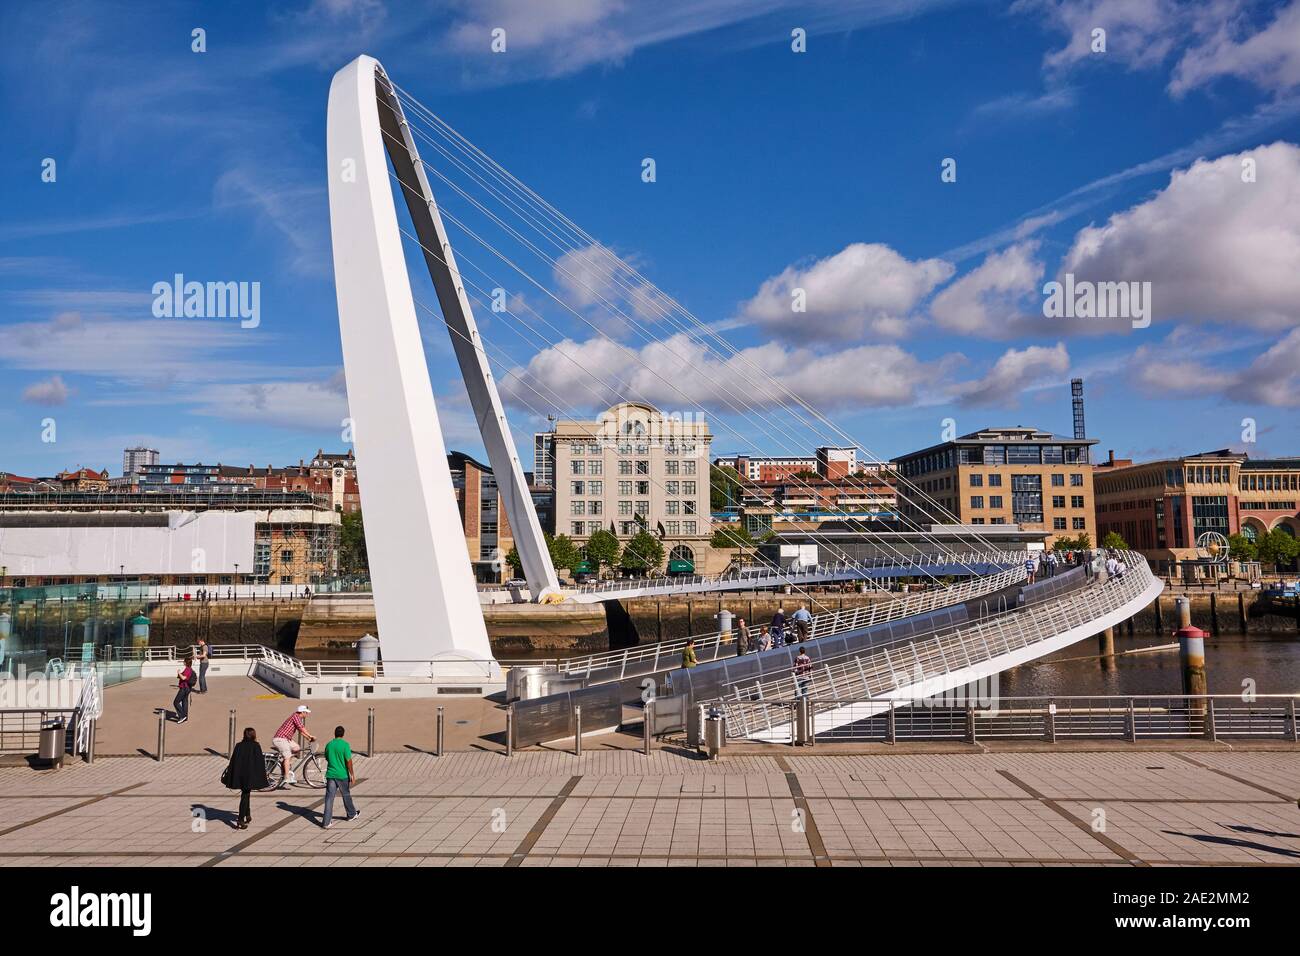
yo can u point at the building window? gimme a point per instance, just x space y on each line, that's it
671 467
1027 498
1076 480
672 487
576 488
688 488
643 467
625 509
643 508
595 467
673 528
999 521
672 507
594 507
1023 455
1076 501
286 557
1058 524
1079 524
977 501
995 454
976 520
578 507
1058 501
688 466
688 527
625 488
643 487
1058 481
995 501
595 488
995 481
488 527
689 506
977 481
576 528
577 467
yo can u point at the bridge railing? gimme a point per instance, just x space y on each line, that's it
892 667
772 575
718 644
1049 719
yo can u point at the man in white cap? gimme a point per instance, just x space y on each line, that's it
284 743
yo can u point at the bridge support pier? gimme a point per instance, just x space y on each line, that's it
1106 647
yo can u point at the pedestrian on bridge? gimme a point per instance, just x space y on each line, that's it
742 637
802 673
764 639
1031 567
778 627
802 622
688 654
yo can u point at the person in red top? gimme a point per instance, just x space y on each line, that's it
284 743
802 672
184 684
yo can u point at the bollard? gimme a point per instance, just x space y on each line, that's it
647 726
370 733
442 726
970 723
90 743
230 737
1131 721
1211 731
510 730
577 731
892 728
162 734
803 717
1191 654
1051 721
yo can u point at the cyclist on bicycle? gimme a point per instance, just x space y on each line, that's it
284 743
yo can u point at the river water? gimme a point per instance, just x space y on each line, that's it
1271 661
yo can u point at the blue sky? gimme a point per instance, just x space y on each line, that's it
775 171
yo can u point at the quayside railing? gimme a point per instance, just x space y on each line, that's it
1051 719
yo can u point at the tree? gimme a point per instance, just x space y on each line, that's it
564 554
731 536
1113 541
724 487
1082 543
353 562
644 553
806 475
1241 548
603 548
1277 547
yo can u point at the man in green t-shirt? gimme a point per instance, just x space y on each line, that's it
339 777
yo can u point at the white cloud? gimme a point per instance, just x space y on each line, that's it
993 299
679 373
1139 33
1015 371
866 288
313 404
1213 247
1269 58
50 391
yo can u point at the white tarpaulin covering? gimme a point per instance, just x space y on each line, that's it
212 541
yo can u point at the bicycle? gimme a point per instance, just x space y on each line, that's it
308 770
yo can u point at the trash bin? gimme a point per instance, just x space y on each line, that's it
713 736
51 746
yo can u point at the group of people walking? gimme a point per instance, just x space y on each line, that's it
780 632
246 771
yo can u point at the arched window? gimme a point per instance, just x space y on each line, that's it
1249 532
1287 530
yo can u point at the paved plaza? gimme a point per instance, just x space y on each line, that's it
620 808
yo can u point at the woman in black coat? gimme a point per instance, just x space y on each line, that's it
246 773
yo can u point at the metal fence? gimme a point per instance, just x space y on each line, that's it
1050 719
554 717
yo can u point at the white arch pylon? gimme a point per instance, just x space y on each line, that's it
426 602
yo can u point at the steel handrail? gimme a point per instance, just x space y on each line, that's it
823 625
1028 626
